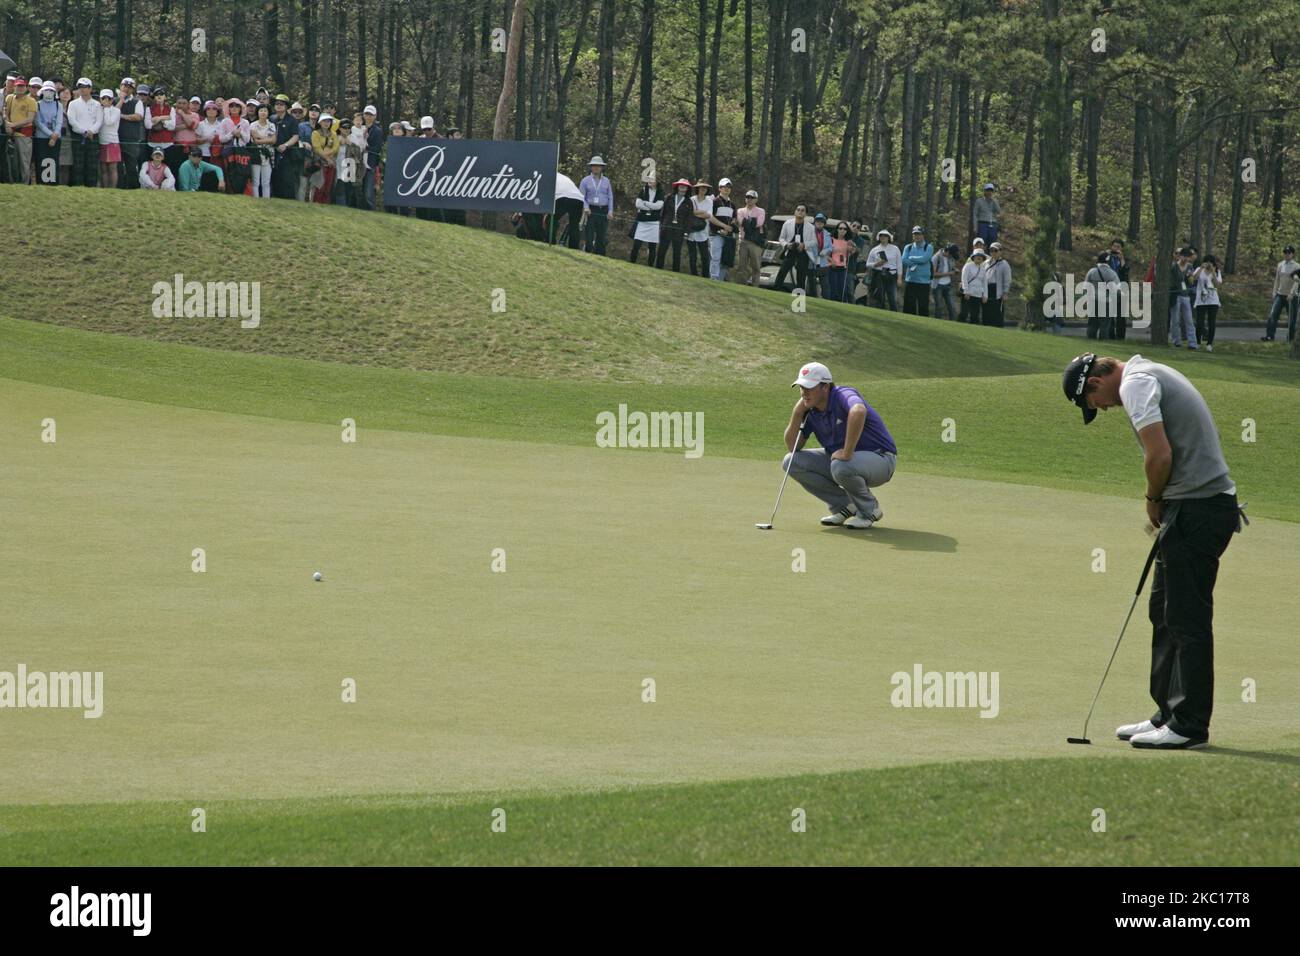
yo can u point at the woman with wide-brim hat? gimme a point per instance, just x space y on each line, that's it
677 219
698 237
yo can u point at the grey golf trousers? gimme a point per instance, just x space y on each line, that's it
840 482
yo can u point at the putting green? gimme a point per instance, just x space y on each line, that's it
621 565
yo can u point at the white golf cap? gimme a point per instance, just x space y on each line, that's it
85 81
916 229
988 186
325 118
406 125
978 241
104 93
884 232
426 122
724 181
751 194
371 109
596 161
996 245
814 373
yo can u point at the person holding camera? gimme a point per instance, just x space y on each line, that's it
1208 279
885 262
797 238
943 266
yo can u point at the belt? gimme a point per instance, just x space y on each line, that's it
594 208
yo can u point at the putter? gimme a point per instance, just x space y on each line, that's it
1141 581
768 526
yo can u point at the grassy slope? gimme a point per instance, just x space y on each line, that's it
1013 812
346 286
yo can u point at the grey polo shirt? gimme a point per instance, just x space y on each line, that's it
1151 393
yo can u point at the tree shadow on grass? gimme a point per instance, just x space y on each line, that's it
904 539
1265 755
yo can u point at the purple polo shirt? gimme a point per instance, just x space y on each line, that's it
829 426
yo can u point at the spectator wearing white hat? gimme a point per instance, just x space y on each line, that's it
916 262
750 219
986 214
885 261
597 206
568 206
325 151
50 120
155 174
998 272
130 134
722 232
374 136
110 149
974 287
85 116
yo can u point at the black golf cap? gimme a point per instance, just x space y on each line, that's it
1075 383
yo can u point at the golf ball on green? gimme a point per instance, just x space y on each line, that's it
316 576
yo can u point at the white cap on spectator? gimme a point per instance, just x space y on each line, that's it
85 81
426 122
406 125
988 186
724 181
751 194
104 93
127 81
978 241
371 109
597 161
325 116
996 245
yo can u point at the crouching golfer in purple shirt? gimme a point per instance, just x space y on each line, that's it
857 452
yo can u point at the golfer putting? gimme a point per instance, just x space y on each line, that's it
857 452
1191 501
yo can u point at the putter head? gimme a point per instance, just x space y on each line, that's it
1077 740
763 527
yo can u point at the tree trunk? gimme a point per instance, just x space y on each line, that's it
749 73
905 169
187 81
713 93
882 151
1093 147
950 139
647 78
963 135
363 87
1053 162
1135 180
1238 195
851 97
700 63
780 92
1211 170
932 155
512 75
1031 121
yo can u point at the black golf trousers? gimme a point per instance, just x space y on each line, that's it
1182 611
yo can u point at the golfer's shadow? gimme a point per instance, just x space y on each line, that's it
903 539
1265 755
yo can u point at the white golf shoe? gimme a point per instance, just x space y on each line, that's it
1162 738
862 522
1128 731
839 517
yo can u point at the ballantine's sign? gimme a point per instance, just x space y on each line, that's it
505 176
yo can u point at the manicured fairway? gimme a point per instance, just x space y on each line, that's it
621 565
